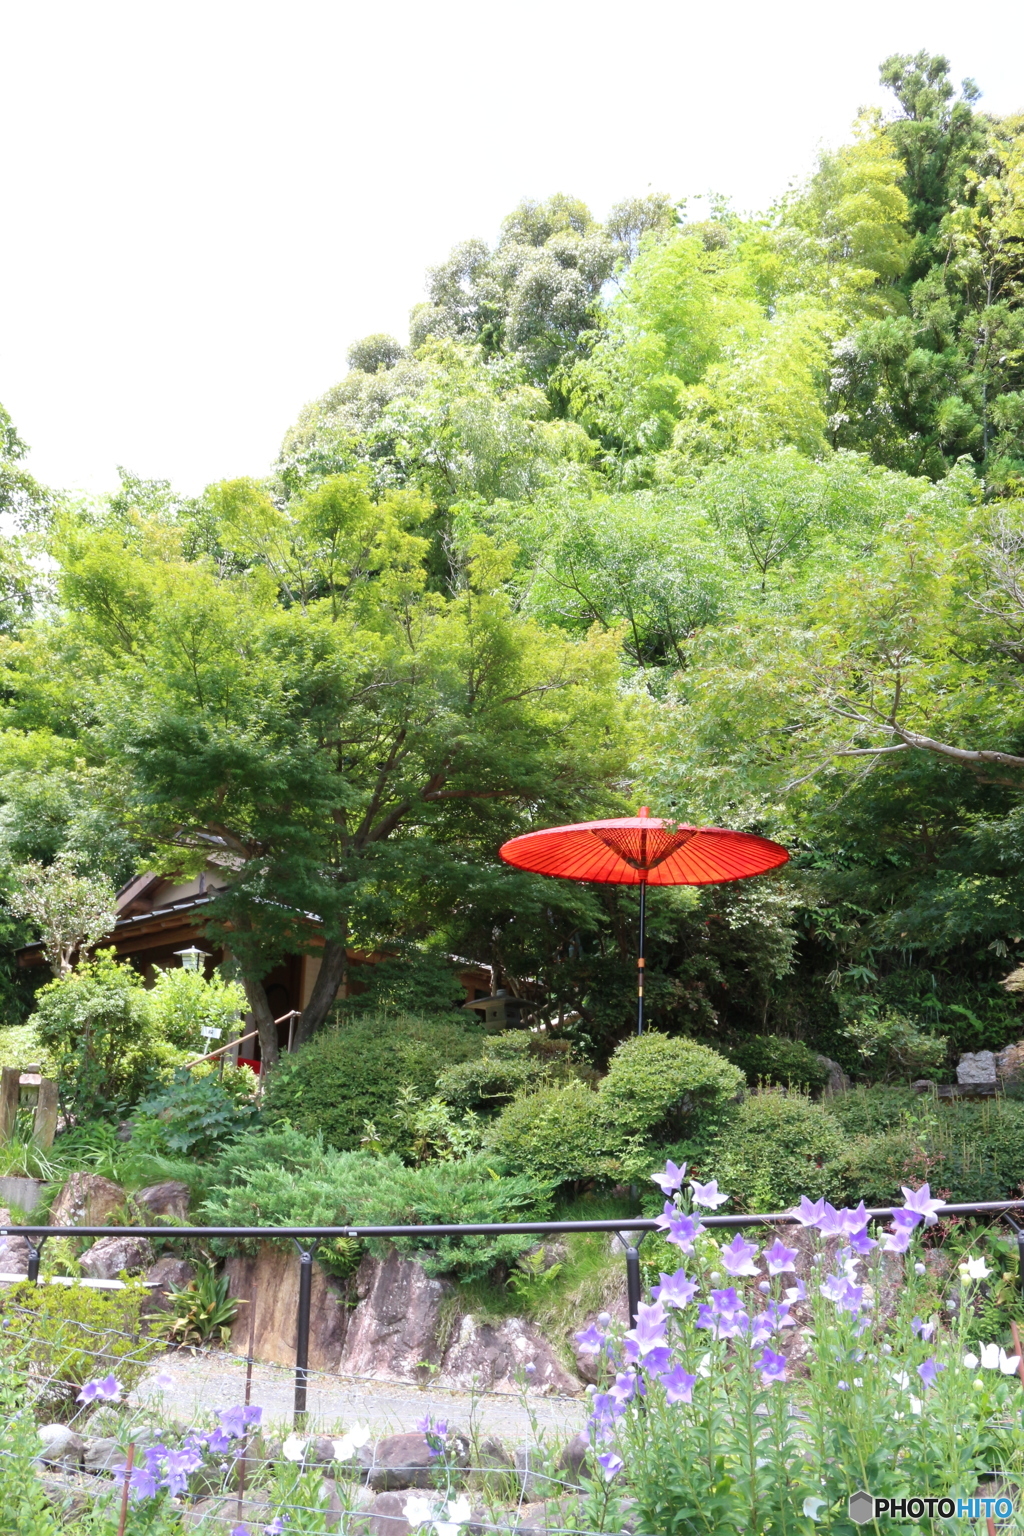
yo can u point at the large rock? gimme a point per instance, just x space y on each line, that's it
87 1200
1010 1063
61 1446
13 1250
500 1358
110 1255
24 1193
159 1200
222 1514
395 1327
385 1517
573 1458
837 1081
272 1277
162 1275
403 1461
976 1068
103 1454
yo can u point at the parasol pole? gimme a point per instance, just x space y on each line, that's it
640 960
643 920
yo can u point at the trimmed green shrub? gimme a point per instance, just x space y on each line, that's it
349 1076
558 1134
417 982
967 1152
664 1086
181 1002
509 1064
281 1178
774 1060
869 1111
779 1146
94 1023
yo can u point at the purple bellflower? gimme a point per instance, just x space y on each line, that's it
671 1180
678 1227
738 1258
808 1213
104 1390
929 1370
678 1385
676 1290
707 1194
779 1258
922 1329
591 1340
771 1366
921 1203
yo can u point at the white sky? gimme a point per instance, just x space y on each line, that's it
204 203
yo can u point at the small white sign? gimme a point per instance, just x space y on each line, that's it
209 1033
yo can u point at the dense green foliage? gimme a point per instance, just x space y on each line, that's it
283 1178
352 1075
778 1146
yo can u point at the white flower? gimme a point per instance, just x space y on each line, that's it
915 1404
971 1362
901 1379
1008 1363
975 1269
350 1442
294 1448
919 1269
704 1369
813 1507
456 1515
990 1357
418 1510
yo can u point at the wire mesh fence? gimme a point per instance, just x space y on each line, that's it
113 1436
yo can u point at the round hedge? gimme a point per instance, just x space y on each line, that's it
778 1147
664 1086
352 1074
556 1133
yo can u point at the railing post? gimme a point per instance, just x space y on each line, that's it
302 1336
35 1253
631 1242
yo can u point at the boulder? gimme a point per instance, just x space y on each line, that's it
61 1446
499 1358
542 1258
385 1517
534 1482
110 1255
976 1068
73 1493
575 1454
162 1275
493 1467
87 1200
222 1514
403 1461
167 1199
395 1326
101 1453
838 1082
923 1085
1010 1063
272 1276
13 1250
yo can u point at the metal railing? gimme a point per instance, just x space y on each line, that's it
630 1231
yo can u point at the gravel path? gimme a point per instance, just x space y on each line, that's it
187 1387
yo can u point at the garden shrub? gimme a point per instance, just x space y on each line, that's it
95 1025
63 1336
281 1178
350 1075
509 1064
774 1060
181 1002
559 1134
665 1086
967 1152
778 1146
864 1111
192 1115
417 982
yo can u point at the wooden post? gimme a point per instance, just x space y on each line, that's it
10 1081
44 1124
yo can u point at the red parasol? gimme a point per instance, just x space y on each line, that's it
644 850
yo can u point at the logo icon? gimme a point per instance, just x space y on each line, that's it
862 1507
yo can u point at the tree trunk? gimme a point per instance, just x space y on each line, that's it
263 1014
333 970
